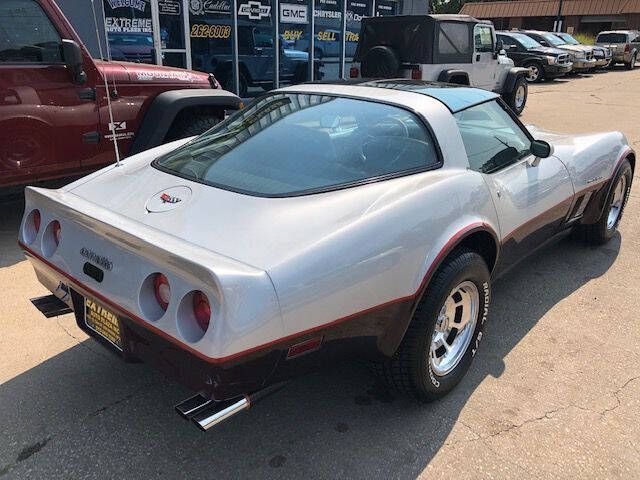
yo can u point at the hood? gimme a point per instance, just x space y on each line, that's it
576 48
130 72
296 54
548 51
257 231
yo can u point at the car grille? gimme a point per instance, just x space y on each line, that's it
589 55
563 58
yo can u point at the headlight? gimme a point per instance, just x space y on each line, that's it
552 60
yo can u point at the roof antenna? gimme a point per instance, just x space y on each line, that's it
112 126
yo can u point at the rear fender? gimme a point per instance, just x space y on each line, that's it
459 77
167 105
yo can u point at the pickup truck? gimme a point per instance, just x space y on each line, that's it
54 116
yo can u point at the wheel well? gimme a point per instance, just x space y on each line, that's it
188 112
459 79
484 244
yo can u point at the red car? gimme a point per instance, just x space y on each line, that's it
54 120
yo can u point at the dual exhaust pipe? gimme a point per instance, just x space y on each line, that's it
206 413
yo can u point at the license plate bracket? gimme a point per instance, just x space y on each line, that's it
103 322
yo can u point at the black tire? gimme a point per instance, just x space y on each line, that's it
601 232
380 62
227 83
535 67
632 63
409 370
193 122
511 97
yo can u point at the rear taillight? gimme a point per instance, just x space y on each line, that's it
354 72
162 290
627 48
36 220
416 73
201 310
57 231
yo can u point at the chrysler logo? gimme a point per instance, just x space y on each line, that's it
104 262
166 198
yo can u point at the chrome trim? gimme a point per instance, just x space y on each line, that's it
220 412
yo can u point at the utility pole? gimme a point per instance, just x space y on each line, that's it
558 24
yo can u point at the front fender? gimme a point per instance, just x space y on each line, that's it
166 106
512 76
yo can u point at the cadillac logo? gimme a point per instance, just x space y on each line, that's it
92 256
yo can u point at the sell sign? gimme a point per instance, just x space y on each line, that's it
292 13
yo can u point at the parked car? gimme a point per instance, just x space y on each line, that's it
54 117
256 57
542 62
445 48
624 44
132 47
601 55
420 194
580 55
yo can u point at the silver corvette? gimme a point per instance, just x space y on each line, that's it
323 221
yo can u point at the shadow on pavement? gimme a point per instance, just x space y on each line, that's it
84 412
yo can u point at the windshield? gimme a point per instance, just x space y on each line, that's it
552 39
526 41
611 38
568 38
290 144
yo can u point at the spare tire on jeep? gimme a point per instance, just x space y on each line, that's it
380 62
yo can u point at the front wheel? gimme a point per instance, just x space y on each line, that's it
517 98
632 63
605 228
445 331
535 72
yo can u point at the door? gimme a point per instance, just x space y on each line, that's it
170 24
532 199
48 124
484 63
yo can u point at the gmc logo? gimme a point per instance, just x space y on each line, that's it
292 13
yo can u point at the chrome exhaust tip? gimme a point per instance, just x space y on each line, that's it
220 412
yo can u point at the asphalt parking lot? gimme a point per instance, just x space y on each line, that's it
553 393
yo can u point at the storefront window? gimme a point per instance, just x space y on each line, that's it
356 11
129 30
294 42
388 7
328 33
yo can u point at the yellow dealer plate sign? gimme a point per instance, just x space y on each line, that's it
103 322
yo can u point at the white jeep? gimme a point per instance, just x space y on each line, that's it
445 48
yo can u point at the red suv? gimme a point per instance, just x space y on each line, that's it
54 120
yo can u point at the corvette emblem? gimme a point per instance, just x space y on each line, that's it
166 198
100 260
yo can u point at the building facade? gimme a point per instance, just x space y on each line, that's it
584 16
250 45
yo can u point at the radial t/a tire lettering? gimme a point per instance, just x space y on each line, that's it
435 354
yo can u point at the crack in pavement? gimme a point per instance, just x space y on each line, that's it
25 453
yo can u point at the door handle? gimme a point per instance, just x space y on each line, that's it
478 57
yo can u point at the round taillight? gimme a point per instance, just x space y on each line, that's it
201 310
57 231
162 290
36 220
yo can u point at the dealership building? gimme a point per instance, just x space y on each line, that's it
584 16
250 45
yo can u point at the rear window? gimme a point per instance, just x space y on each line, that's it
293 144
612 38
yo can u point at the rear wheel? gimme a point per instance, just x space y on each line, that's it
517 98
445 331
536 73
604 229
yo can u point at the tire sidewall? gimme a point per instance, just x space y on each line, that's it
430 383
512 97
625 170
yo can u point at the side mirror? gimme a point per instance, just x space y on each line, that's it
499 45
72 54
540 149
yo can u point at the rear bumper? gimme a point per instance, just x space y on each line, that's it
621 57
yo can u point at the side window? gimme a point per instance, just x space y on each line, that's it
492 138
482 39
508 42
26 34
453 38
